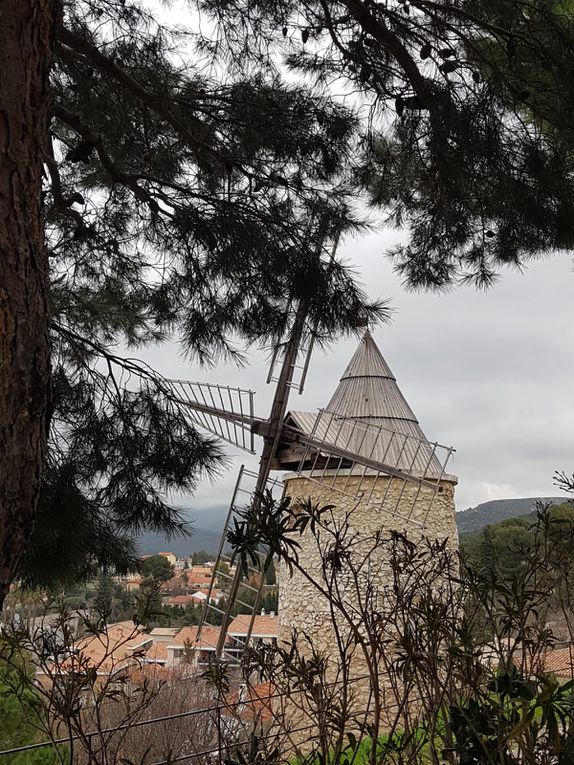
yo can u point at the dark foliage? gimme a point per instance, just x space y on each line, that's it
505 546
468 133
464 650
157 567
182 204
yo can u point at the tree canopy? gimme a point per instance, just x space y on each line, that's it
503 546
467 130
157 567
177 203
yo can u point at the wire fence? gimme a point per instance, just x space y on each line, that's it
218 709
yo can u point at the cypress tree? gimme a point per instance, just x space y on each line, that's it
104 596
488 557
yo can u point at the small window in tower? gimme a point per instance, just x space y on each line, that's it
440 489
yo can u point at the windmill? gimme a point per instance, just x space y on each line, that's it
343 449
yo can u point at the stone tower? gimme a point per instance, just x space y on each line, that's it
416 497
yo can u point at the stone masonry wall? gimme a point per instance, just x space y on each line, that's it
407 508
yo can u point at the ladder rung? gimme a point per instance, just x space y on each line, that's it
214 608
247 605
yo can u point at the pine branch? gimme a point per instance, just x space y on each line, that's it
60 204
117 175
132 366
386 37
458 11
158 102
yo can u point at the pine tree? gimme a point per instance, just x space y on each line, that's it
146 195
468 135
26 50
157 567
143 199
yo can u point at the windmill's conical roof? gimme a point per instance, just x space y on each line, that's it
368 389
386 428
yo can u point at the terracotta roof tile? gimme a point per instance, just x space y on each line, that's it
164 631
107 651
263 626
556 660
158 652
208 638
179 600
560 661
256 702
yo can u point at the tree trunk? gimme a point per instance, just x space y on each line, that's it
27 30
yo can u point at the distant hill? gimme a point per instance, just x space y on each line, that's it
206 527
208 524
498 510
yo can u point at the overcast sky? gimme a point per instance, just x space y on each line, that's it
491 374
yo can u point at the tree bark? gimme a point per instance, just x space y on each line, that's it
27 30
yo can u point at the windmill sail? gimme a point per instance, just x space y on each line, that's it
221 410
270 431
248 590
344 454
300 365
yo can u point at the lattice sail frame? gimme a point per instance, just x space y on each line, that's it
233 646
299 367
224 411
347 454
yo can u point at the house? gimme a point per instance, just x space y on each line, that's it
555 659
163 634
117 650
264 630
156 654
191 580
133 585
121 640
169 556
200 596
560 661
199 577
186 647
177 584
252 704
180 600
